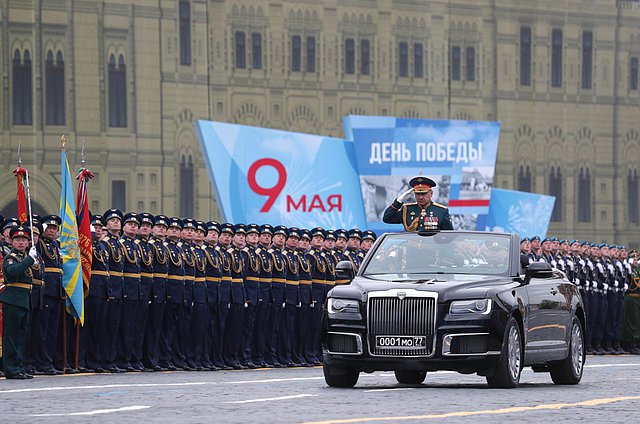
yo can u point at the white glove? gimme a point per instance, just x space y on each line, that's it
606 286
283 304
570 265
246 305
404 195
594 284
33 252
615 284
577 281
626 286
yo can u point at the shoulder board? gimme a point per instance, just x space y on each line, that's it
245 249
151 241
230 250
136 241
106 238
270 250
166 244
217 248
322 254
13 255
410 204
438 205
312 251
179 244
258 250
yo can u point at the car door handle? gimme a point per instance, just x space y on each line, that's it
554 292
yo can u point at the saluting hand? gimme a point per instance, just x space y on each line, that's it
404 195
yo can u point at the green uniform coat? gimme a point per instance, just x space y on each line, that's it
415 218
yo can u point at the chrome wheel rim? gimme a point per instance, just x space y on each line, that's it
513 353
577 349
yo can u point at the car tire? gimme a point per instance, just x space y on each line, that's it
410 376
506 374
340 376
569 371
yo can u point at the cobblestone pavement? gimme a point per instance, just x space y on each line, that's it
609 392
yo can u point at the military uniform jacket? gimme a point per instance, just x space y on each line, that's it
291 292
318 275
200 285
115 253
237 276
16 269
37 288
224 290
352 256
175 273
145 253
330 274
414 218
266 268
160 269
213 272
339 256
49 251
304 272
131 269
189 262
98 285
251 274
278 276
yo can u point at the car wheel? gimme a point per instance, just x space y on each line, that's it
410 376
340 376
506 374
569 371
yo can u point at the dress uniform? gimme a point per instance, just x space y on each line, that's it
235 320
213 277
36 297
145 253
351 253
7 225
199 317
175 298
291 300
155 323
278 283
303 313
224 296
602 278
370 237
631 322
261 329
189 262
48 322
615 300
416 217
318 282
15 299
251 288
97 304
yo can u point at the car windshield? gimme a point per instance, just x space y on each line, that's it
410 256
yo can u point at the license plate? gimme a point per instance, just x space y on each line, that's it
401 342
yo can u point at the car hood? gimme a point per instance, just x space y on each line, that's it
449 286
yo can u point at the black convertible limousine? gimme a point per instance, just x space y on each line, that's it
452 300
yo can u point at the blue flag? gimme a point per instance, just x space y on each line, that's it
69 250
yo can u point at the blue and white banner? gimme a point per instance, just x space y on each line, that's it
267 176
459 156
526 214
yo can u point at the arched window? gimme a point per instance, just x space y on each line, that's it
22 96
54 75
403 59
555 189
311 54
296 53
584 196
241 52
186 187
524 179
185 32
349 56
632 196
117 93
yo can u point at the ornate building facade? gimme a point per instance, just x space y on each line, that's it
129 78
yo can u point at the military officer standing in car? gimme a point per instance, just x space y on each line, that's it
423 215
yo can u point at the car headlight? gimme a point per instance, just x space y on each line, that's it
476 306
348 306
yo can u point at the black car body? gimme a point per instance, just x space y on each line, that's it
452 300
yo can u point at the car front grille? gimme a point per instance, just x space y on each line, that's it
402 316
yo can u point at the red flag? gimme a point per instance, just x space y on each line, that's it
20 173
83 218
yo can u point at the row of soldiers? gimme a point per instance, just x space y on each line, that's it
607 276
170 293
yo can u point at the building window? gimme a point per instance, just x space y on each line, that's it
587 59
584 196
256 50
241 52
471 64
524 179
118 194
349 56
186 187
311 54
54 76
117 93
403 59
185 32
296 51
455 63
418 60
525 56
555 189
556 58
365 57
633 73
632 196
22 108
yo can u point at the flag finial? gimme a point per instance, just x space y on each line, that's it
19 156
83 153
63 141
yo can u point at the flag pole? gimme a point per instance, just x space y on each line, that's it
77 321
63 142
28 194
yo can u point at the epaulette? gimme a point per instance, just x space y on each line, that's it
245 249
230 250
136 241
270 250
179 244
322 254
410 204
151 241
165 243
217 248
312 251
258 250
438 205
106 238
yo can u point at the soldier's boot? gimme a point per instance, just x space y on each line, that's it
634 348
618 349
589 349
597 349
606 347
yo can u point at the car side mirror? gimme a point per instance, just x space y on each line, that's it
539 270
345 271
524 261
